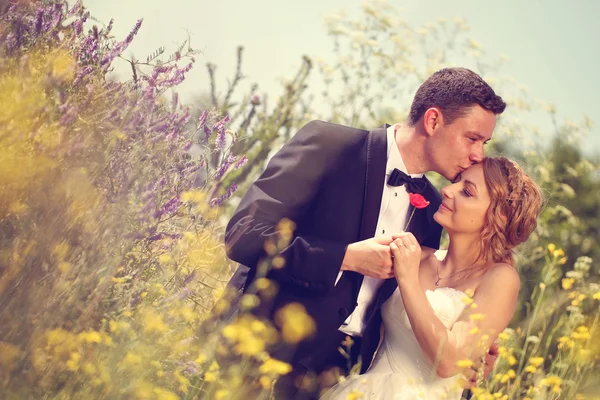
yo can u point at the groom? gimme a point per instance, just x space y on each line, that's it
346 190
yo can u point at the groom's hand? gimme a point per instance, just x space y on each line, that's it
370 257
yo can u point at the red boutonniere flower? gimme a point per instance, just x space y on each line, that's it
417 201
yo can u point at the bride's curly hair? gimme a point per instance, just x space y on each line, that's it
516 201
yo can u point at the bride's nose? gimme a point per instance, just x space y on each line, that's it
447 191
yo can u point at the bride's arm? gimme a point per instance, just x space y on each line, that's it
496 299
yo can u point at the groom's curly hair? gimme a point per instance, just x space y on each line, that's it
454 91
516 201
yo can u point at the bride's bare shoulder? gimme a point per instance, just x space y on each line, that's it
502 275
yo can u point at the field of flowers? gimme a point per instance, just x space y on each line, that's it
112 265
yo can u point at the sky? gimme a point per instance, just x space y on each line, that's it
551 45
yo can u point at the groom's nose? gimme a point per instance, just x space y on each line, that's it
477 155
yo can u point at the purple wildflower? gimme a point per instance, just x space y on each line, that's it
217 201
240 163
202 119
169 208
121 46
223 167
221 129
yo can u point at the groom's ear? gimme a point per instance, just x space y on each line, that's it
432 120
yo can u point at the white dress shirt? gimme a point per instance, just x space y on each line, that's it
393 215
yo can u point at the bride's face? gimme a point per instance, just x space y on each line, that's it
464 202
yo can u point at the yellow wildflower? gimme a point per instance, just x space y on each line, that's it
184 382
132 359
270 248
567 283
90 337
153 322
536 361
474 331
512 360
201 359
257 326
278 262
249 301
551 248
354 395
120 280
64 267
210 376
565 342
250 345
464 363
581 333
73 363
477 317
262 283
165 258
222 394
556 389
551 380
89 368
266 382
531 369
273 366
295 323
596 296
558 253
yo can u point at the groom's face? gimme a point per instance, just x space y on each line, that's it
457 146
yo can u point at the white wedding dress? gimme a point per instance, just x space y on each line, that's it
400 369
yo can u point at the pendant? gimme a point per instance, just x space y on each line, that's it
437 283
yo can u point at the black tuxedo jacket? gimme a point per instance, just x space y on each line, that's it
329 180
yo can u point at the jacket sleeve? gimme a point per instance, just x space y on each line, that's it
286 189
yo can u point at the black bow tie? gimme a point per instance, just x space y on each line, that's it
413 185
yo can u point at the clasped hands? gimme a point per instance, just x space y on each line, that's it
385 257
399 256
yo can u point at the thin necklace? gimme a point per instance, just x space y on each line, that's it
437 270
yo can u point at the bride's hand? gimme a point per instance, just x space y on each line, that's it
406 252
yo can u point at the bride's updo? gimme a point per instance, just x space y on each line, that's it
516 201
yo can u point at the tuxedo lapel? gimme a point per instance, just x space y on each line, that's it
376 160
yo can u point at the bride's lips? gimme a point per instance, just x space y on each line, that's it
445 207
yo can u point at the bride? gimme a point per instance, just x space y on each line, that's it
432 330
